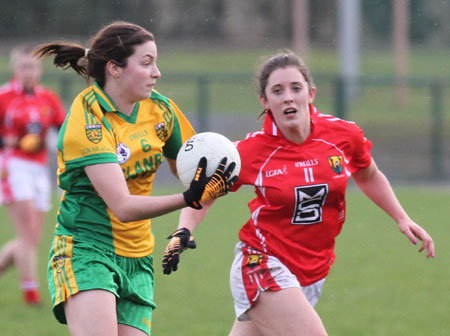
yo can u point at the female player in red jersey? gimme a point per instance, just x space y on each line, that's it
299 165
27 111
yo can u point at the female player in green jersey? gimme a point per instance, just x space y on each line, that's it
112 142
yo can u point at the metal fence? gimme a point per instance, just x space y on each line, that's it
415 140
411 138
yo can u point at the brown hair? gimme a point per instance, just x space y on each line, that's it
114 42
280 60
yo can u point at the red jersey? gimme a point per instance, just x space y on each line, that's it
29 112
299 207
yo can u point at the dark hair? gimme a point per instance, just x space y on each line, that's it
114 42
280 60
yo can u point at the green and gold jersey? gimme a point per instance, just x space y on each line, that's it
96 132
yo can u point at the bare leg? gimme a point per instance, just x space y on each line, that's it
126 330
244 328
22 214
28 223
286 312
7 255
92 312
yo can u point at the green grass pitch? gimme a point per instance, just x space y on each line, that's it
379 285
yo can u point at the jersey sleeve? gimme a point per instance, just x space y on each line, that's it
361 155
9 125
86 137
238 183
181 131
249 170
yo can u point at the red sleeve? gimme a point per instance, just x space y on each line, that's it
248 173
9 125
240 149
361 156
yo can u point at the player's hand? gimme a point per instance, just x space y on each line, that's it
31 143
205 188
180 240
414 232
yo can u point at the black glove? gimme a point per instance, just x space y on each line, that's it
180 240
205 188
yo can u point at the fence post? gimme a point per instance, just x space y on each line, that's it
436 130
203 84
340 99
65 85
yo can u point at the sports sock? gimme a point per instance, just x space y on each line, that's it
30 291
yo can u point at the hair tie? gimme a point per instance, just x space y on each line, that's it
86 52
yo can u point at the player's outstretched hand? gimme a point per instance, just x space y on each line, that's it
180 240
205 188
414 232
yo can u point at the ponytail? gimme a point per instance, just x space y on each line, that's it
66 55
114 42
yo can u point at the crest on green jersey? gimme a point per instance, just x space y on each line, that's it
94 133
161 131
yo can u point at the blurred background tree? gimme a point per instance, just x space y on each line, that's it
227 20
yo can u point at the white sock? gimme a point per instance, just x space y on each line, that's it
29 285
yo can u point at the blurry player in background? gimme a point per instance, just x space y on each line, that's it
299 165
27 110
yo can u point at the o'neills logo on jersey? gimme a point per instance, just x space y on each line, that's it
307 163
161 131
335 162
123 153
94 133
276 172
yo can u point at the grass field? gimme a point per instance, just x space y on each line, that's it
378 286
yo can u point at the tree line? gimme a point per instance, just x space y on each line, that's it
244 22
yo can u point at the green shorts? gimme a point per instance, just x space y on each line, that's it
78 266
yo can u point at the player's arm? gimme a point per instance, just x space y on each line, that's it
173 166
10 141
189 218
109 182
377 187
29 143
181 239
